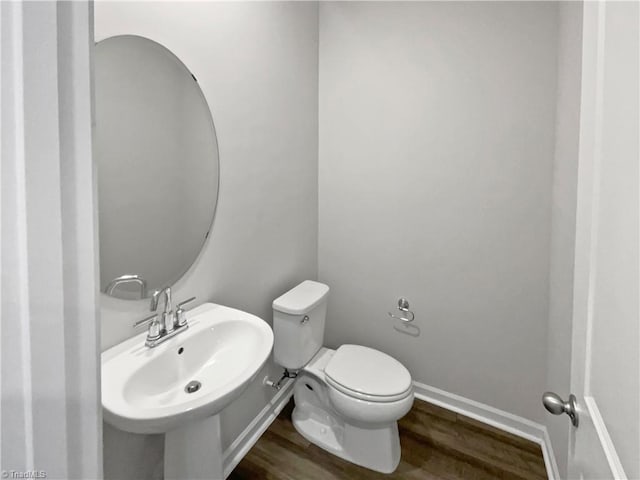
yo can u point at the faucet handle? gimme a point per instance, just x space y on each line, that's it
154 327
146 320
181 319
186 301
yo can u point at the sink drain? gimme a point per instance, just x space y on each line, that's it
193 386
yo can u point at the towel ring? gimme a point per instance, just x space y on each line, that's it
403 306
403 319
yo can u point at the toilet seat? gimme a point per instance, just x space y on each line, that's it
367 374
363 396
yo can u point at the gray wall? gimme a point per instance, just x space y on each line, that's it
435 169
257 66
563 220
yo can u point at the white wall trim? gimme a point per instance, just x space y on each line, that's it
606 443
549 456
506 421
50 382
250 435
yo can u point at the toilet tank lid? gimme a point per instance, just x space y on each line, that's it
301 299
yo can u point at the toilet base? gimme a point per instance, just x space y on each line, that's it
376 447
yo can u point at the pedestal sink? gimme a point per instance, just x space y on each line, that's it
179 387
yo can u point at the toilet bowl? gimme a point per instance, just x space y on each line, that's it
361 430
348 400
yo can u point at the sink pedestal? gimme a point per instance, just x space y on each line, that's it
194 451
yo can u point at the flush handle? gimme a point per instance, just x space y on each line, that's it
304 320
555 405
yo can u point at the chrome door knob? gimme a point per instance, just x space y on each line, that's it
555 405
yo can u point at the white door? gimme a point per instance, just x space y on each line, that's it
606 334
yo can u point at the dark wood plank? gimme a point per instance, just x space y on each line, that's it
507 437
475 446
437 444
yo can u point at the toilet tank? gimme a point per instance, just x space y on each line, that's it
296 339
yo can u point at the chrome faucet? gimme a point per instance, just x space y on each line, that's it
167 315
172 322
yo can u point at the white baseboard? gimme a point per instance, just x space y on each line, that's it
496 418
549 457
250 435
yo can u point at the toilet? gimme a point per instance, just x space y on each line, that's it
347 401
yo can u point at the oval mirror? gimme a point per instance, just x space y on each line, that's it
157 158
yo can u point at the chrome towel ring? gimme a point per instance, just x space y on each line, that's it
403 306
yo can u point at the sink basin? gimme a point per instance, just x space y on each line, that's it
191 376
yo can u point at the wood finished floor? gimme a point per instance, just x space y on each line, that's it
437 444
